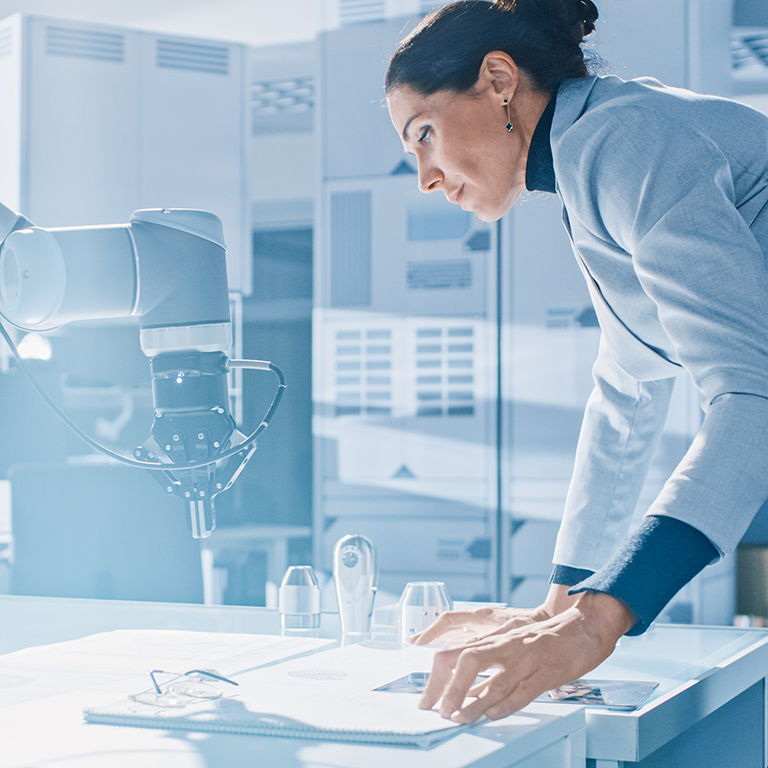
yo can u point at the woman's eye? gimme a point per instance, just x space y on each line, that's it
425 135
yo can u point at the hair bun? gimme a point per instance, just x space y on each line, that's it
588 15
578 16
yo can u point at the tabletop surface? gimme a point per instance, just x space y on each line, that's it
691 665
33 626
699 669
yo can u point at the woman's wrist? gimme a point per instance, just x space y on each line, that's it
558 599
606 616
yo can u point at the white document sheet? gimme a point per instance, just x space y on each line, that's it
328 695
122 660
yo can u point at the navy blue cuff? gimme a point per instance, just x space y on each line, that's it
568 576
654 563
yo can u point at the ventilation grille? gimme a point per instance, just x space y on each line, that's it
749 50
404 368
196 57
360 11
6 41
351 249
272 97
445 376
84 43
561 317
364 372
431 275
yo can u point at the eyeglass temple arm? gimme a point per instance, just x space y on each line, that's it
209 673
206 672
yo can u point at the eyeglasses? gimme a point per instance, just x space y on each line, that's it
182 689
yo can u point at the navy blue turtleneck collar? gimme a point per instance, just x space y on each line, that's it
540 168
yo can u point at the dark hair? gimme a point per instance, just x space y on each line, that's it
446 50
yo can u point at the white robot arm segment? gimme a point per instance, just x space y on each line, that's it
168 267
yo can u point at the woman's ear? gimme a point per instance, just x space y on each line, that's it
499 73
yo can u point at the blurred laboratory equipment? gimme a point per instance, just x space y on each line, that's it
355 574
422 602
299 598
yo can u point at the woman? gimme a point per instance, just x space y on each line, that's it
665 198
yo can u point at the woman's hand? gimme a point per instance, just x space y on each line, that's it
470 626
527 660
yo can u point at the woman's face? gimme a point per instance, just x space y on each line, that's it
462 147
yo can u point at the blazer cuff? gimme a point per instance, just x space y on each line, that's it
568 576
654 563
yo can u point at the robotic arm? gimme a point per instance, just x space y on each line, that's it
168 267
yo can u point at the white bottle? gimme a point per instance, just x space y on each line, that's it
299 598
355 574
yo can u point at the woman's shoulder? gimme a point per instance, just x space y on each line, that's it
629 151
643 103
603 118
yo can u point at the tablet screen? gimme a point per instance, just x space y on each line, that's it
613 694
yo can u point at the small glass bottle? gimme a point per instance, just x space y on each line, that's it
299 599
421 603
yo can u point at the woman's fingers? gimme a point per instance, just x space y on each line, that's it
479 688
528 660
521 665
497 703
468 665
522 620
445 622
439 678
470 626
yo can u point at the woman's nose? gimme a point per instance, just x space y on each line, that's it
430 178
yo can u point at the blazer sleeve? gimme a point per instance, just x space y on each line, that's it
620 432
664 194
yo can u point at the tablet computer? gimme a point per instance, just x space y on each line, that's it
612 694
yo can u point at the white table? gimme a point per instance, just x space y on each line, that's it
49 730
709 709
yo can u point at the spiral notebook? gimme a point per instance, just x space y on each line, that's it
331 696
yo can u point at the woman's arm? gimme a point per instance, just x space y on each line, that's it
620 432
655 205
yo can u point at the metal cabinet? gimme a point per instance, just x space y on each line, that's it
99 121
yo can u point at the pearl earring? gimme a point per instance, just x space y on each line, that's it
509 125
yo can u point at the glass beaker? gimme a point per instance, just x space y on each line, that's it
421 603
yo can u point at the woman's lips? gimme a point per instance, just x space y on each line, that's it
455 196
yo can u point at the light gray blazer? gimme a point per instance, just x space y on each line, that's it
665 196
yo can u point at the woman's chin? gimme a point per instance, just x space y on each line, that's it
488 215
494 213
